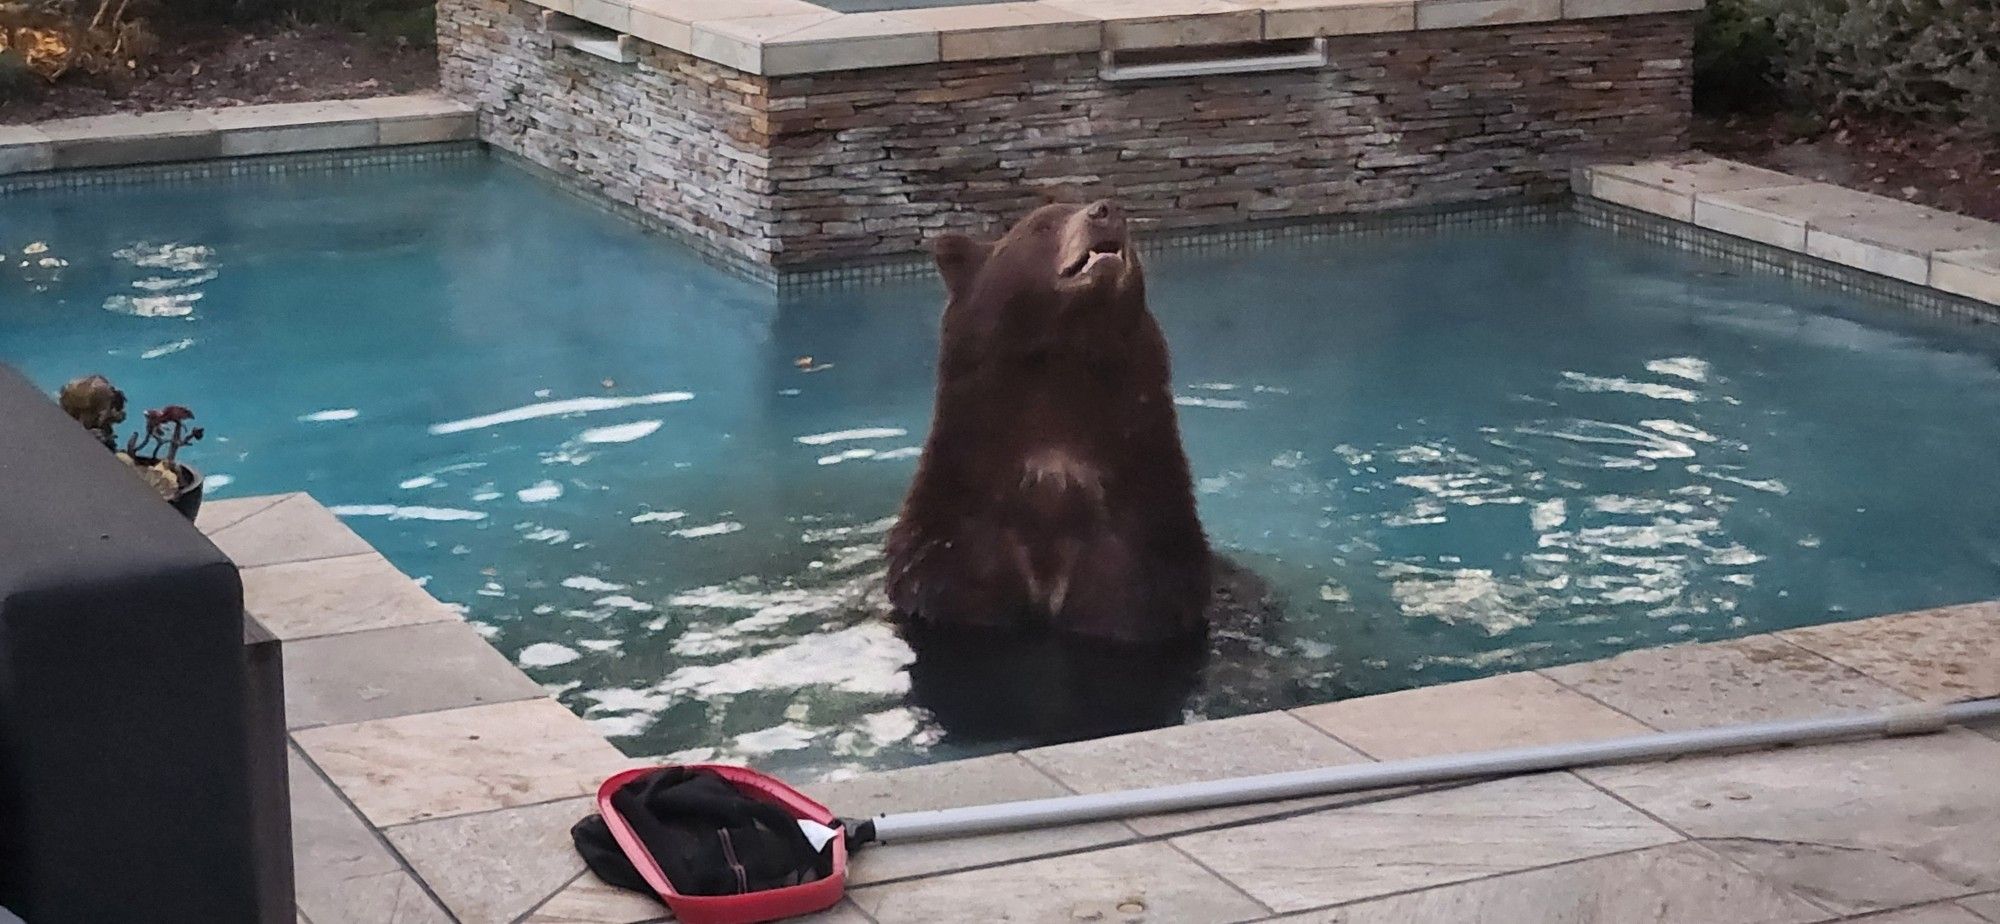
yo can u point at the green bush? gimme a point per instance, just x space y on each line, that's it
1736 57
1927 59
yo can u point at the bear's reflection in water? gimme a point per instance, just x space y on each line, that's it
1030 688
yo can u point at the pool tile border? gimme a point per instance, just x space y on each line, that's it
175 136
1693 202
417 773
1940 262
374 158
1463 217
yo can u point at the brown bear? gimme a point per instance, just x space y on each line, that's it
1052 490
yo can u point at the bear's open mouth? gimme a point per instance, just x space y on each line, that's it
1098 250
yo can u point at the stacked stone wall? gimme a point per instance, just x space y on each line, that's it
832 168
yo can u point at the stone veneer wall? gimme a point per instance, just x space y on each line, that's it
832 168
677 137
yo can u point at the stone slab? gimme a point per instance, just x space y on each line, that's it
477 759
1675 884
694 11
1294 19
1420 841
274 128
495 867
852 42
1592 9
1466 14
1755 679
432 129
408 106
294 529
1854 248
388 898
1742 214
661 29
1000 778
24 149
112 140
1504 711
1935 913
300 600
1986 906
1896 239
1145 882
1973 273
1266 743
343 872
1858 826
589 900
1170 23
739 43
336 135
1669 186
615 15
1852 228
1007 30
1941 655
382 673
978 30
218 514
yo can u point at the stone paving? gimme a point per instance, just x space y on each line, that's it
1875 234
433 782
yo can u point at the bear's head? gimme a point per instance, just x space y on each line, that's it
1062 264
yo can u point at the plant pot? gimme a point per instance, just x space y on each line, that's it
187 499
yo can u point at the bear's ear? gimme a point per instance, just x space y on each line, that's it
958 260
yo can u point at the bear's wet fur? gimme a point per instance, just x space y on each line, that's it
1053 490
1030 689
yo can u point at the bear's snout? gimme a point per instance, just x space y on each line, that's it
1094 242
1106 218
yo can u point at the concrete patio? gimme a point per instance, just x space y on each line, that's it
433 782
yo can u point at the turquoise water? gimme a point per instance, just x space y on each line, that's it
658 487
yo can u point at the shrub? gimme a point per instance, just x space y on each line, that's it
1929 59
53 38
1736 57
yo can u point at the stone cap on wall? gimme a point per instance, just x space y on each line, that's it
786 37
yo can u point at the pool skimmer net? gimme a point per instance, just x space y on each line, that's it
724 844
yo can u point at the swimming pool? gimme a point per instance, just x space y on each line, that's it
657 486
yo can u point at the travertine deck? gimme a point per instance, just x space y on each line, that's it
1875 234
433 782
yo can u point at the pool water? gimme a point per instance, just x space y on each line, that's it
660 488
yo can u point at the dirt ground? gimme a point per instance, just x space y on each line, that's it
230 68
1928 164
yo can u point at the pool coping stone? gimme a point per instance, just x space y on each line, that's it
472 792
1876 235
174 136
793 37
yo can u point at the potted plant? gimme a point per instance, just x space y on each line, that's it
153 452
